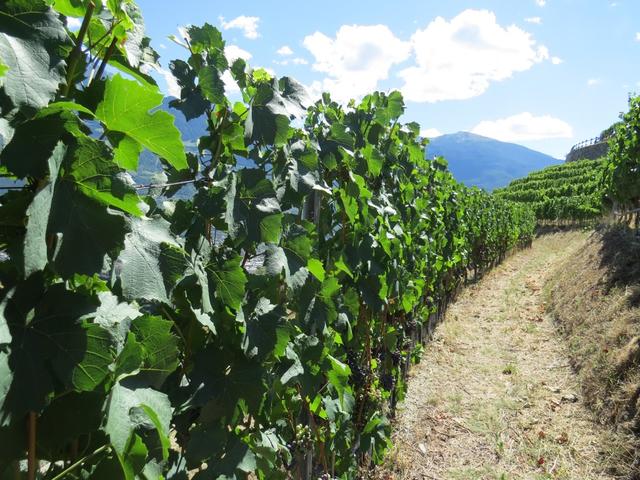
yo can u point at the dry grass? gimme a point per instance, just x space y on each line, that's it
494 396
600 317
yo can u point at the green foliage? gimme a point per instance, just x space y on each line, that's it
623 161
266 320
571 191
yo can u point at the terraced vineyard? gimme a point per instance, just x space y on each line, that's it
568 192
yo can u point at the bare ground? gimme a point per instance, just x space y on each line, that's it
494 396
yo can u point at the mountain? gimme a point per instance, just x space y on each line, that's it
485 162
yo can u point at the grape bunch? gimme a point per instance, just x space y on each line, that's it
396 357
359 371
303 439
387 381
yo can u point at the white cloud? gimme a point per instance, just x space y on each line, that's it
556 60
541 3
458 59
163 46
356 59
284 51
248 25
293 61
74 23
535 20
233 52
637 36
430 132
230 85
173 89
523 127
592 82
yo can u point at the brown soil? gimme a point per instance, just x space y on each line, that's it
494 396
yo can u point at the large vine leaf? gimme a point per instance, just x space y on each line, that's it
128 409
56 346
31 41
126 109
32 143
35 240
85 231
267 332
229 280
142 267
221 381
92 170
159 348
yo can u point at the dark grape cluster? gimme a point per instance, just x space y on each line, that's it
387 381
359 371
396 357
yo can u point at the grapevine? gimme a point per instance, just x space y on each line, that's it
261 326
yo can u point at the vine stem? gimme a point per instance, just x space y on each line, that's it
31 454
314 426
77 49
80 462
107 57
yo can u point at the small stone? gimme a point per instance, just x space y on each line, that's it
569 398
422 448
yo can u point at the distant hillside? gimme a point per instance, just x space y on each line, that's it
485 162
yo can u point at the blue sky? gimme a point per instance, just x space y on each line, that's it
542 73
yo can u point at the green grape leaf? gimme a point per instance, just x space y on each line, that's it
222 381
159 348
271 228
229 280
393 109
125 109
127 153
56 346
115 317
86 231
143 272
207 39
30 45
35 239
32 142
130 358
374 159
266 331
295 369
316 268
297 246
70 8
92 170
58 424
192 103
268 119
129 408
338 375
238 456
211 84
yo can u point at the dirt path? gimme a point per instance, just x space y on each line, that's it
494 396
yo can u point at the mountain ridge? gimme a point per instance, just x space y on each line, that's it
484 162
